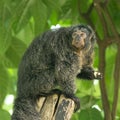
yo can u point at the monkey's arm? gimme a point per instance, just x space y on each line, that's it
89 74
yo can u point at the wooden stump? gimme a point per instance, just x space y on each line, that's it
55 107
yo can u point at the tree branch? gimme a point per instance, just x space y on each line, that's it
102 18
86 15
117 63
107 23
102 65
116 83
55 107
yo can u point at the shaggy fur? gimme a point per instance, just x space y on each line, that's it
51 61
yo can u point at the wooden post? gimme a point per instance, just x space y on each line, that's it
55 107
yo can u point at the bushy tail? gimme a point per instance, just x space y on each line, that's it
24 109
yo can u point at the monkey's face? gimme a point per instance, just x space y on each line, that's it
81 38
78 39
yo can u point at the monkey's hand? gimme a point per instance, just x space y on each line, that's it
75 99
89 74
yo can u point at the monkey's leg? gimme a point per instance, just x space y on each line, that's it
54 91
66 75
89 74
68 89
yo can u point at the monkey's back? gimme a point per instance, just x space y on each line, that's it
36 70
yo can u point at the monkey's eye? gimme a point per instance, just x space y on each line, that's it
83 35
74 34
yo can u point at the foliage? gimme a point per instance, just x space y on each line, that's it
21 21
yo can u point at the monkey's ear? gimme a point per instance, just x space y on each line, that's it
92 34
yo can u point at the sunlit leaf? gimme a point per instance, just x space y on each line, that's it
4 82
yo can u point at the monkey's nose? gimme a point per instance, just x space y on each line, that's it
77 38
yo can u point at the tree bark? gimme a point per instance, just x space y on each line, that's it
55 107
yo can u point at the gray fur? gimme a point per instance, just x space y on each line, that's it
50 61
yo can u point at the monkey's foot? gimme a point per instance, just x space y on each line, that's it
76 100
56 91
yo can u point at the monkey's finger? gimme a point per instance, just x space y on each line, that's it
98 75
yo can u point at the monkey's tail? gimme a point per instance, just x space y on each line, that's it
24 109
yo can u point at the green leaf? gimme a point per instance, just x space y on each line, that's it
40 13
84 86
53 18
13 81
90 114
5 30
15 52
4 115
87 101
4 82
114 7
97 23
70 10
75 116
52 5
110 58
21 15
5 40
84 6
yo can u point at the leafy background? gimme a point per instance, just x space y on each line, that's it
22 20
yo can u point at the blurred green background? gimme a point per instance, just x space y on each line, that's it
22 20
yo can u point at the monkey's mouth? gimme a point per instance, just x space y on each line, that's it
78 44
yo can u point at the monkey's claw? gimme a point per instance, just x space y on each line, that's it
98 75
77 104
